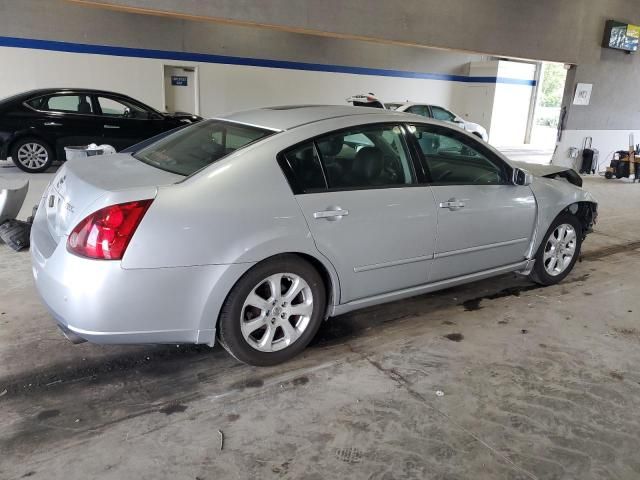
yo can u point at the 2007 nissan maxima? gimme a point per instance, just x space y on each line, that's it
255 227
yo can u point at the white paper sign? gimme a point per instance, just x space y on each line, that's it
583 94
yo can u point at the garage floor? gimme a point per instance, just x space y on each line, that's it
537 383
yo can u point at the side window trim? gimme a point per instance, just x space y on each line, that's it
48 96
504 167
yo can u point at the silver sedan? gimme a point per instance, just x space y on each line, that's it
255 227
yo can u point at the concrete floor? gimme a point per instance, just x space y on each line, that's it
538 383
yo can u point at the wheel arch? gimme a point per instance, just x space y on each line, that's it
30 134
553 197
214 303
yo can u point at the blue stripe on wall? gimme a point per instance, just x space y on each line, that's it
246 61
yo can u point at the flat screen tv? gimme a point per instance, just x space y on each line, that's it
621 36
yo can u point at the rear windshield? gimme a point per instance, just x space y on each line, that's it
194 147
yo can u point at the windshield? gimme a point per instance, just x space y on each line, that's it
393 106
192 148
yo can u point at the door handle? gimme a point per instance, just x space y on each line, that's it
332 213
111 126
52 124
452 204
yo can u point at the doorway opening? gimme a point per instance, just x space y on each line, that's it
181 89
548 101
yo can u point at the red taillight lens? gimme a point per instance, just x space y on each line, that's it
106 233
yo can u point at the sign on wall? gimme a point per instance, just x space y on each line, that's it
583 94
179 80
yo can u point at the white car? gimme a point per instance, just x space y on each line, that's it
423 109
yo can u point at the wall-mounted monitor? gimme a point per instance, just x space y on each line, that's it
621 36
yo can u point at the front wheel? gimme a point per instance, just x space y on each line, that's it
558 251
31 155
273 312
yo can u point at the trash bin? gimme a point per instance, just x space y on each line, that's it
83 151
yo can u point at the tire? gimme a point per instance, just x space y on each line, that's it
253 321
31 155
551 255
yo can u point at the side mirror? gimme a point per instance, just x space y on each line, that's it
521 177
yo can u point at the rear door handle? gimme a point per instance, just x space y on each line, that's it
111 126
332 213
452 204
52 124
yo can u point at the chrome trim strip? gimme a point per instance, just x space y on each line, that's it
421 289
481 247
375 266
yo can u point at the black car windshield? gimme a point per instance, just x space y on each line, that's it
192 148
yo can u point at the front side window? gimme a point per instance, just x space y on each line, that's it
453 159
440 113
364 157
63 103
111 107
194 147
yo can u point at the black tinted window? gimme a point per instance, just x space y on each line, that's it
367 156
452 158
192 148
305 166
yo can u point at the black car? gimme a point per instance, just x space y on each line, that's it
35 126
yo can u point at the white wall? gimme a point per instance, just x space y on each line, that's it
222 88
605 141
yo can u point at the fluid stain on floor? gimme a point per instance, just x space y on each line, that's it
454 337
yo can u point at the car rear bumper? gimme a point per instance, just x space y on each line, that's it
99 301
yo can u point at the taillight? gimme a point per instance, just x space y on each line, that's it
106 233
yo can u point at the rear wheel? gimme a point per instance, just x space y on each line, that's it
31 155
558 251
273 312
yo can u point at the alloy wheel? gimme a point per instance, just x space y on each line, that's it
560 249
276 312
33 155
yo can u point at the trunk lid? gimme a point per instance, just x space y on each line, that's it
80 183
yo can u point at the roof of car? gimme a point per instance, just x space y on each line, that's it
46 91
285 117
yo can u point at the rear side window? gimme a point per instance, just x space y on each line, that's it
199 145
365 157
63 103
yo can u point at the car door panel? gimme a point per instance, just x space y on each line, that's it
384 243
366 213
484 221
492 229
